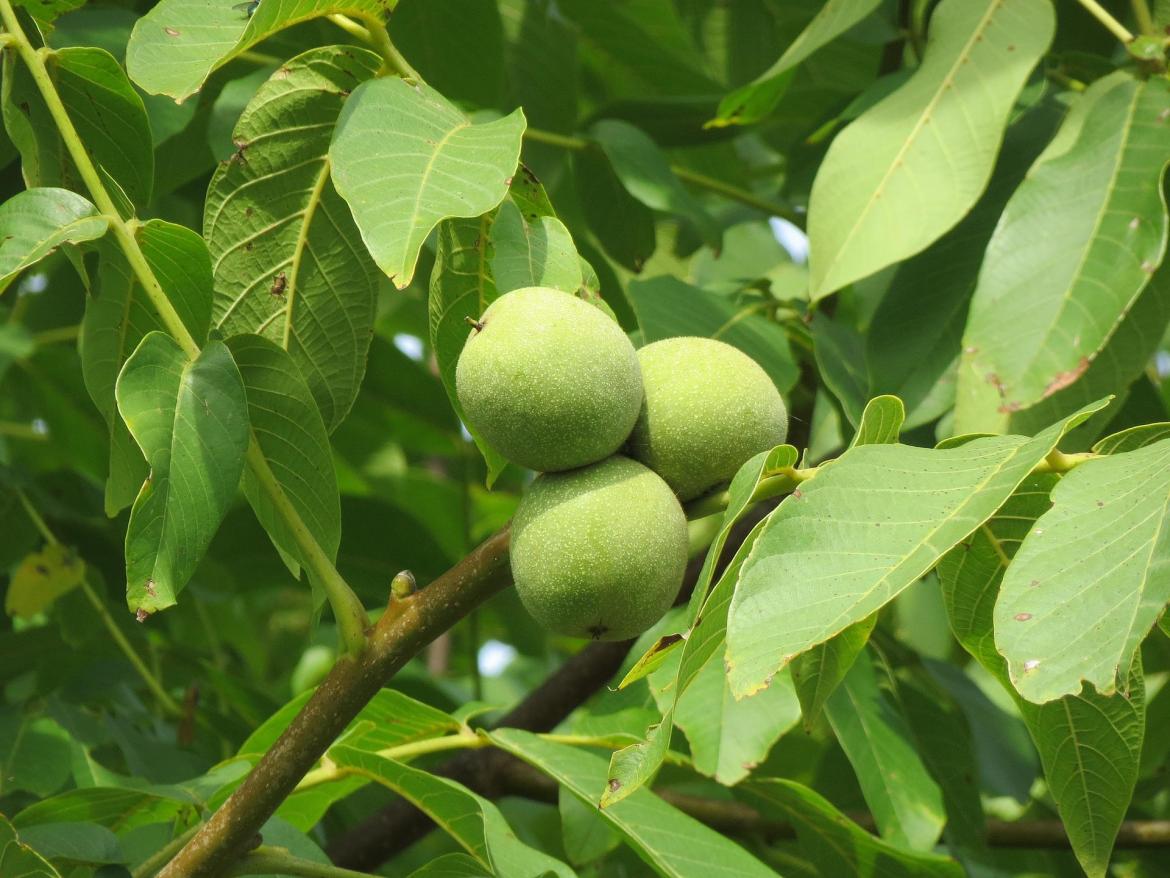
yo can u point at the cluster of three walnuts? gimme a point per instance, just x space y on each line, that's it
599 542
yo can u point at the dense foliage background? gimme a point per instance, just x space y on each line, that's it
240 242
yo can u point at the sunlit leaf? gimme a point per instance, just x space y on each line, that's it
177 44
288 259
907 170
871 523
41 578
1091 217
1091 578
36 222
405 158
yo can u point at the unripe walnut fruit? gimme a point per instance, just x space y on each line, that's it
599 552
550 381
708 409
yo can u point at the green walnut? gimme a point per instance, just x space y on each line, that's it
549 380
599 552
709 408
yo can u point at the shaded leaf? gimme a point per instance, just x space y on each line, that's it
908 169
471 820
624 226
405 158
894 511
754 101
645 173
817 673
190 418
649 825
729 738
35 222
837 845
906 802
103 106
289 264
457 46
20 860
291 435
119 314
667 307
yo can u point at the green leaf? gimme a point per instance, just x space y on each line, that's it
667 307
457 46
907 170
914 340
1091 217
452 866
85 843
818 672
107 112
41 578
1121 362
291 435
533 251
640 47
390 719
835 844
461 286
840 356
20 860
34 754
1090 744
1133 439
624 226
119 314
115 808
645 173
289 264
881 422
649 825
405 159
895 511
35 222
177 44
754 101
729 738
944 740
1091 578
632 767
190 418
907 804
471 820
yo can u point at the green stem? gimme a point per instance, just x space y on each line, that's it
260 59
272 860
351 617
1145 21
375 35
57 334
1059 462
22 431
1110 23
702 181
163 855
169 705
329 772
